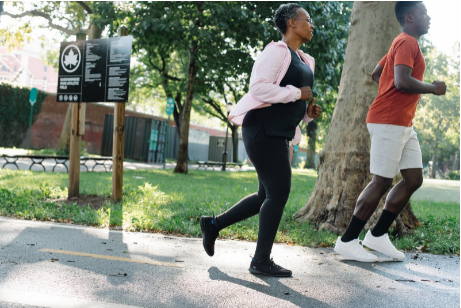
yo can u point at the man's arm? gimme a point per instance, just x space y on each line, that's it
376 74
405 83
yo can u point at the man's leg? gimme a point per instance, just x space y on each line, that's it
366 205
412 178
348 245
397 198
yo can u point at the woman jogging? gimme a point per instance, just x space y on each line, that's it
280 86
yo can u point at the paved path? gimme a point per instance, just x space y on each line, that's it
438 190
31 276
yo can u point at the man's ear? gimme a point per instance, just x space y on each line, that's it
409 18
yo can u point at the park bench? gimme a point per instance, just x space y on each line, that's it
58 160
219 164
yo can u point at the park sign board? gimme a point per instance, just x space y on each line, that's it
33 96
169 106
95 70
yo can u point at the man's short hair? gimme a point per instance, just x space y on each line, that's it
284 13
403 8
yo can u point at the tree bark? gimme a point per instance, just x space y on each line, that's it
312 134
177 114
343 167
181 165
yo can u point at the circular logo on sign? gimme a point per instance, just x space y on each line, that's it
70 58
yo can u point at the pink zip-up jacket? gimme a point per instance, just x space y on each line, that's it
268 71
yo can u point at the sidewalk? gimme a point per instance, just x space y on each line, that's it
178 273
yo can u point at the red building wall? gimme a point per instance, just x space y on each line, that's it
46 130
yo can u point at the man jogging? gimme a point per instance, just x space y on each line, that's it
394 145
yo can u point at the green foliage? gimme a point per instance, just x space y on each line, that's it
437 117
453 175
15 113
229 35
161 201
438 231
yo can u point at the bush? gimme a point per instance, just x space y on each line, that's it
453 175
15 113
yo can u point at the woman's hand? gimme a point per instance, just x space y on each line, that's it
306 93
313 111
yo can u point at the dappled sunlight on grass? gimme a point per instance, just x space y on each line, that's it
163 201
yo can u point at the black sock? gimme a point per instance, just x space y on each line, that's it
384 223
355 226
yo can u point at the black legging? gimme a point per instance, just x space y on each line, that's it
271 157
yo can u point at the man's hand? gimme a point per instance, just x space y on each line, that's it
440 87
306 93
313 111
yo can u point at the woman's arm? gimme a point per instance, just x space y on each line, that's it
264 75
312 111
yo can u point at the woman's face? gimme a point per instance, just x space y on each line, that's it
304 25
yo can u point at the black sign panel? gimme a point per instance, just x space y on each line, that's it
95 70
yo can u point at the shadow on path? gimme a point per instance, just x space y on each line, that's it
275 288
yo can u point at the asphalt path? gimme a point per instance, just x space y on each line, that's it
45 264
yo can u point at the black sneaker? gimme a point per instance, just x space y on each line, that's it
210 233
268 268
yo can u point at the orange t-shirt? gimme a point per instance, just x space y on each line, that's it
393 106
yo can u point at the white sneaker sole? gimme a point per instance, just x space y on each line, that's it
378 249
354 257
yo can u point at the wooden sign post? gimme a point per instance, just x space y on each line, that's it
92 71
118 142
75 142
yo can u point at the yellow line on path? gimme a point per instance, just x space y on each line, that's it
90 255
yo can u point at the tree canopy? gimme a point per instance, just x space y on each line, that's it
225 38
437 117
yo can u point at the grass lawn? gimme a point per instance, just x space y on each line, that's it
162 201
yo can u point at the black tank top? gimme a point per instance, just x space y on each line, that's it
281 119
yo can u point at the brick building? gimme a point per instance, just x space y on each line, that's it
24 67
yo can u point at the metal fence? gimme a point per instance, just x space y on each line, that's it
197 148
144 138
145 141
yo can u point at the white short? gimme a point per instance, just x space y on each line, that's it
393 148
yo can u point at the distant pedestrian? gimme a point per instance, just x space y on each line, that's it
394 145
281 81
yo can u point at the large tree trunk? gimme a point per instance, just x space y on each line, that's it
343 168
177 114
312 134
235 143
181 166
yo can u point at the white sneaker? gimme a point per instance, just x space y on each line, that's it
354 250
383 245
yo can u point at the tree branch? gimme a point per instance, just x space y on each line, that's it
233 92
85 6
35 13
216 107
